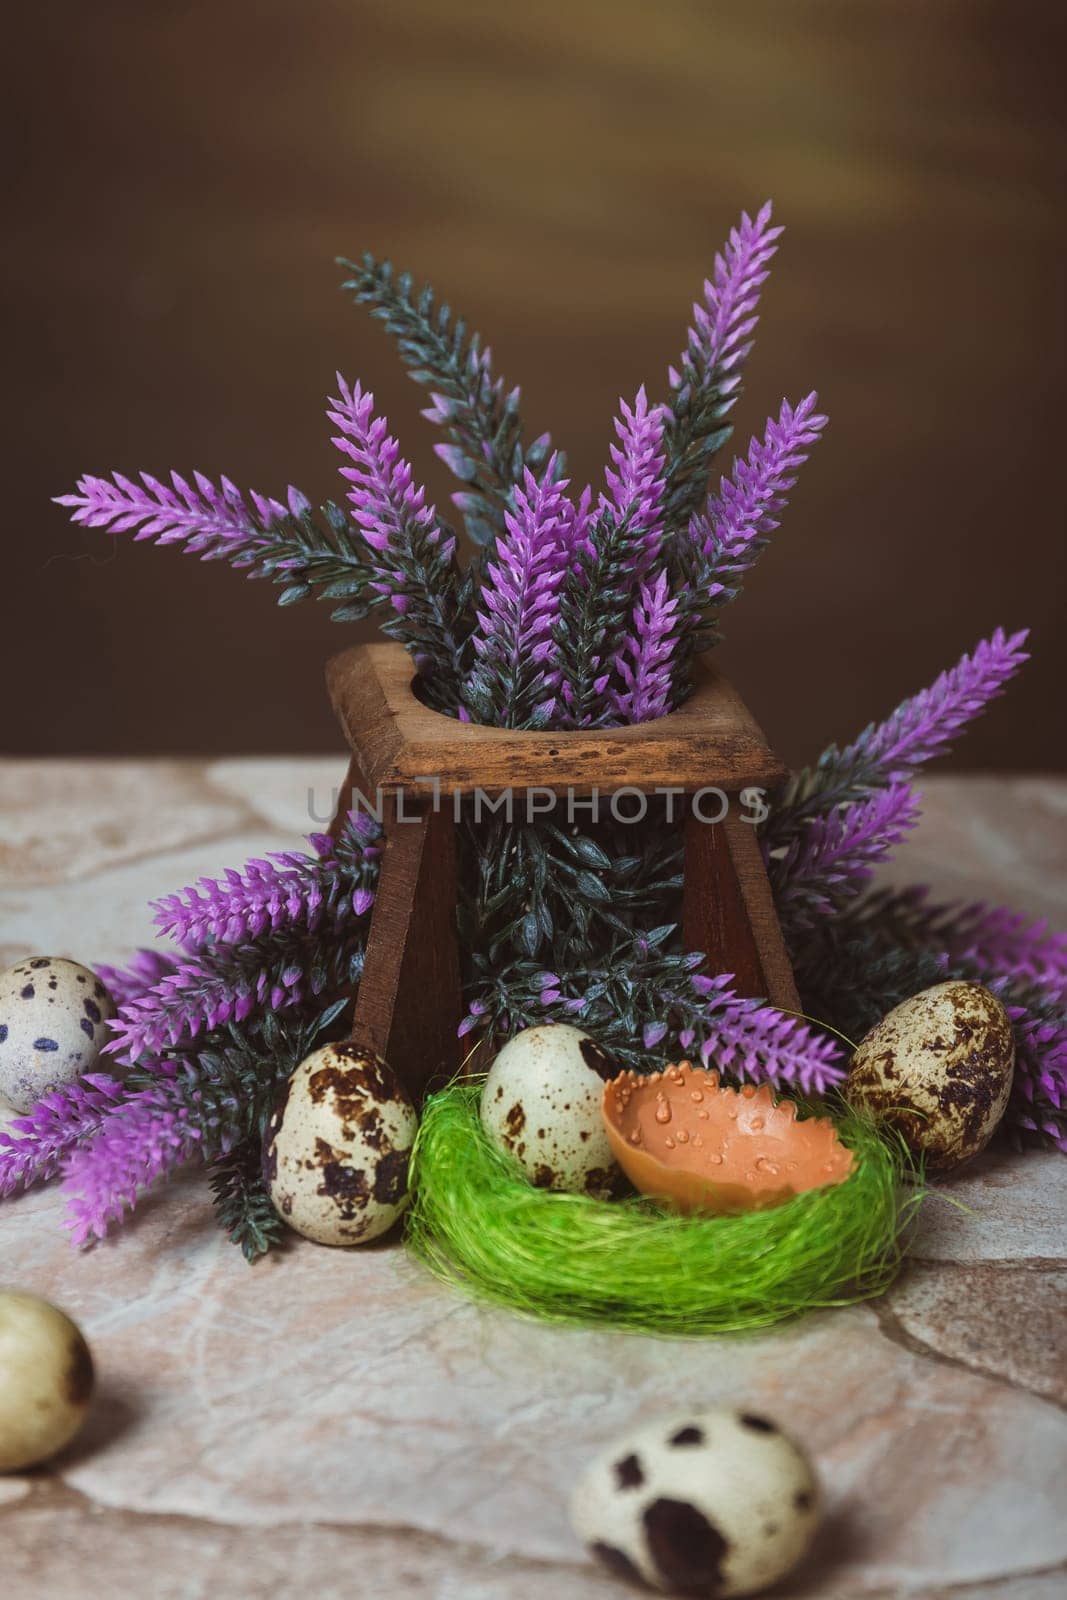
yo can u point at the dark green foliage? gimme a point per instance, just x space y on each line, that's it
313 554
242 1205
596 610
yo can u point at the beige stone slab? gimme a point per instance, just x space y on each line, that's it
344 1418
1001 1207
1005 1321
350 1389
997 838
61 821
295 796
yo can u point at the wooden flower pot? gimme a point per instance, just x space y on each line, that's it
409 1005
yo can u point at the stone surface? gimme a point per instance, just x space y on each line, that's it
343 1417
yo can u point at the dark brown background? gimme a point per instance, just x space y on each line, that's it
564 173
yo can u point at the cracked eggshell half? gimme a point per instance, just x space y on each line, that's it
703 1503
336 1151
541 1106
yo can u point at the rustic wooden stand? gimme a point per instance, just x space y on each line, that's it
409 1007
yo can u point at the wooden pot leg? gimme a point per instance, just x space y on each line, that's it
408 1001
728 910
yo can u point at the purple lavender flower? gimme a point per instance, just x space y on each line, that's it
517 656
1005 943
721 335
636 483
888 752
33 1147
923 726
137 1144
644 662
288 890
410 551
834 858
211 522
229 983
749 1040
146 968
735 526
1039 1089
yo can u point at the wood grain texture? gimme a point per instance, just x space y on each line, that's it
728 911
408 1002
399 742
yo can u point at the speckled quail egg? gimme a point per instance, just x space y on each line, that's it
46 1381
336 1152
710 1503
939 1069
541 1104
53 1025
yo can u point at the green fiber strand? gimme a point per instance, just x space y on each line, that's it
477 1223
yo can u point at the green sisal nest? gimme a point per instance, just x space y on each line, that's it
476 1222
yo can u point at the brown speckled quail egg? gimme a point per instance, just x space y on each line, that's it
939 1069
336 1152
541 1104
53 1025
707 1503
46 1381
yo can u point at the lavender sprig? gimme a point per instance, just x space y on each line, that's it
210 521
411 553
726 538
890 751
34 1147
230 983
638 1003
645 660
144 970
287 890
288 544
635 478
136 1145
516 671
708 381
832 860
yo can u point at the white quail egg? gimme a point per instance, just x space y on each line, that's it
939 1069
53 1025
335 1157
46 1381
541 1104
706 1503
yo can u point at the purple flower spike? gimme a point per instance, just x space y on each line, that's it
137 1144
644 662
636 483
34 1147
211 522
721 334
145 970
409 550
835 857
889 751
387 506
728 536
517 665
289 890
